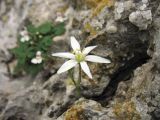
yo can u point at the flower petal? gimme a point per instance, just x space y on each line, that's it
34 61
88 49
39 60
27 38
22 39
38 53
94 58
66 66
64 55
75 44
86 69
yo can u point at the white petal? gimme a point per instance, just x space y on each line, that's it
88 49
75 44
34 61
22 39
67 65
93 58
39 60
86 69
64 55
27 38
38 53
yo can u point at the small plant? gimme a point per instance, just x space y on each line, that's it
79 57
34 45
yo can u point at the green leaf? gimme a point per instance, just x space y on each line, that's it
33 69
31 54
45 28
59 29
20 51
31 29
25 51
45 43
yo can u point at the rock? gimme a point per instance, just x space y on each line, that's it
11 66
62 98
141 19
85 109
134 97
157 51
24 105
52 101
4 57
94 88
4 78
15 113
145 1
122 9
119 9
49 8
128 87
156 114
3 101
13 15
111 27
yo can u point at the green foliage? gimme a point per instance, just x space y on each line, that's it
59 29
40 40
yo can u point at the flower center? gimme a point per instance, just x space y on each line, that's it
79 56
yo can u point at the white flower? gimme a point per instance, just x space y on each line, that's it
24 36
37 59
79 57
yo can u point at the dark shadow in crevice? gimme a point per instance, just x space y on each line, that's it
122 74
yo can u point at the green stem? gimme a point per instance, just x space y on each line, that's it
76 84
80 74
79 81
72 77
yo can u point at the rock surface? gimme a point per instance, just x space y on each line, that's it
85 109
127 32
141 19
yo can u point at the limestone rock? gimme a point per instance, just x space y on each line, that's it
85 109
62 99
3 101
21 106
141 19
128 88
94 88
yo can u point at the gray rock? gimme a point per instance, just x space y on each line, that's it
137 96
62 99
85 109
122 8
4 78
38 101
141 19
111 27
3 101
24 105
96 88
119 9
13 14
140 93
156 114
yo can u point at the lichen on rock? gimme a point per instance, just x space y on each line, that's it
85 109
